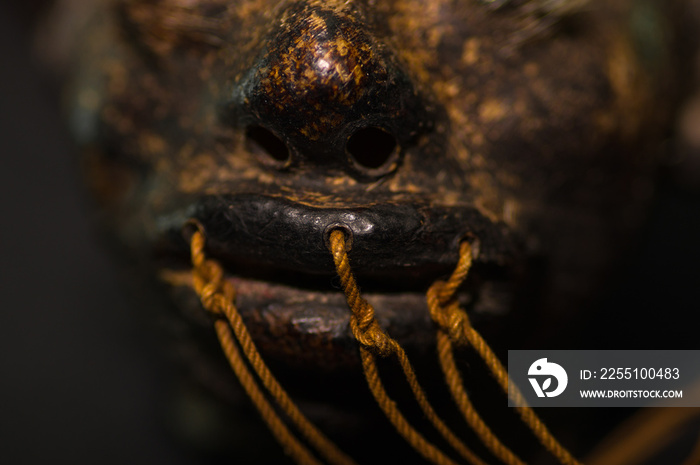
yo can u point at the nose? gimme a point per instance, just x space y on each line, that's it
327 96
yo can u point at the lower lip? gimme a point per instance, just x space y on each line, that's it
309 327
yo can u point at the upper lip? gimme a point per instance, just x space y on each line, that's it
388 239
274 253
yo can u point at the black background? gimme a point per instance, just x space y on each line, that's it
79 380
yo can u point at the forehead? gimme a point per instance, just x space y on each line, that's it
433 19
430 37
436 39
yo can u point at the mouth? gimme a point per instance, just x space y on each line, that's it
275 253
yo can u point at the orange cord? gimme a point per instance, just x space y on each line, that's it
472 417
217 296
454 322
373 340
291 445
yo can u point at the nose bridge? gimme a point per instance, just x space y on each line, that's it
322 77
317 68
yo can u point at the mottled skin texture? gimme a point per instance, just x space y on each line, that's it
528 129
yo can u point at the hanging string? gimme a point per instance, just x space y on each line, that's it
373 341
454 322
290 444
444 293
456 385
217 296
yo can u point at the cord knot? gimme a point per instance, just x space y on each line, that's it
363 324
208 277
448 315
367 331
444 307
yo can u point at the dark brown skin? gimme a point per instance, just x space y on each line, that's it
526 127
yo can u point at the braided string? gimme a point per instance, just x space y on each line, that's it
454 324
374 340
217 296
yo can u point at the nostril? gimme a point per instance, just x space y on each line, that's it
372 148
264 142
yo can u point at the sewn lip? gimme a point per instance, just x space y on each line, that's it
283 316
391 239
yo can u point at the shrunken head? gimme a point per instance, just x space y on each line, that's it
525 127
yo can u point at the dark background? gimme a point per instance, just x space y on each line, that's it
80 381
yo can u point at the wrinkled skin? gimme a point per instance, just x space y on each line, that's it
528 128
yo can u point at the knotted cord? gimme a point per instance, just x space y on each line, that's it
373 340
454 326
217 296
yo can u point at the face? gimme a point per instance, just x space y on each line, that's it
526 127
